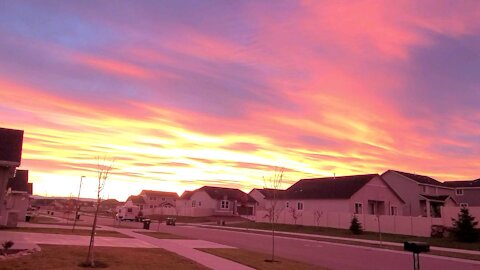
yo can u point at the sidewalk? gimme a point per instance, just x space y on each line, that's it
187 249
322 237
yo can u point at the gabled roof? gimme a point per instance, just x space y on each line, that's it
457 184
136 199
328 188
159 193
19 182
269 193
422 179
220 193
436 197
186 195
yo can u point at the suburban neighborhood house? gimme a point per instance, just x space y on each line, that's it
217 201
261 195
423 195
11 142
149 199
467 193
358 194
19 190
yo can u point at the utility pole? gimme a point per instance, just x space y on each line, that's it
78 204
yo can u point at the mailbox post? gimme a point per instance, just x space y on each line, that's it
416 248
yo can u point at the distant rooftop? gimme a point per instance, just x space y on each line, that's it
422 179
159 193
457 184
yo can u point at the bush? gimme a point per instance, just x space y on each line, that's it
464 227
356 226
6 246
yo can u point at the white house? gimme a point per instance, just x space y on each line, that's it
216 201
19 190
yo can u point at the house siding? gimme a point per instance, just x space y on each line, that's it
471 196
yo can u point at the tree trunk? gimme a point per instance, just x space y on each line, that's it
90 258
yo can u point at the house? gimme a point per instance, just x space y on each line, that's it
423 195
261 195
11 143
357 194
218 201
154 199
467 193
17 199
136 200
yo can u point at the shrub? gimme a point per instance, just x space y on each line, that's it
356 226
6 246
464 227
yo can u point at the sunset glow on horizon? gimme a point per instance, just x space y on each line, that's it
183 94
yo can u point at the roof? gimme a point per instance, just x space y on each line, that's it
136 199
422 179
436 198
220 193
328 188
186 195
472 183
19 182
159 193
11 142
269 192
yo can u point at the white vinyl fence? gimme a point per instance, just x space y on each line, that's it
406 225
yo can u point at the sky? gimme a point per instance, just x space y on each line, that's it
182 94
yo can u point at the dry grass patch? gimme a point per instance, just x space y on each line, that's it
257 260
69 257
67 231
162 235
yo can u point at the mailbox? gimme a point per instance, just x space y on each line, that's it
416 247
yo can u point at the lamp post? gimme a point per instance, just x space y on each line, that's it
78 204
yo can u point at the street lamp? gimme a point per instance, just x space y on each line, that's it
78 203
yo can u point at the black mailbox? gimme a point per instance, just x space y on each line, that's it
416 247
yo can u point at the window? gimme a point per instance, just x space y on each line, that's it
194 203
393 210
424 189
199 203
358 208
129 210
464 205
224 204
287 205
300 206
459 192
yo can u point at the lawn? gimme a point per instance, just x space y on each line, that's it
257 260
68 257
43 220
439 242
66 231
162 235
184 219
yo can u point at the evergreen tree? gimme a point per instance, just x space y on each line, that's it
356 226
464 227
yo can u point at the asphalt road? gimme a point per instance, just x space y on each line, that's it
330 255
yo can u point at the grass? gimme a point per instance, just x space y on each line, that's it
43 220
438 242
257 260
69 257
66 231
184 219
162 235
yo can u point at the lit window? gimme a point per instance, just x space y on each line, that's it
459 192
358 208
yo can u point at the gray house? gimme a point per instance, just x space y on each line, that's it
467 193
423 195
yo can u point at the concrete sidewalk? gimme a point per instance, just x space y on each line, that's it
323 237
187 249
